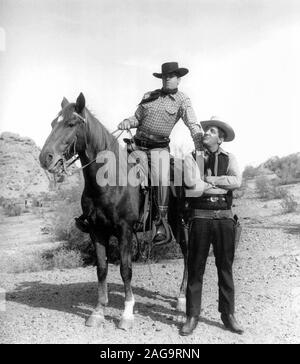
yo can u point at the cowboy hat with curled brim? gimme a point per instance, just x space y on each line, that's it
227 129
171 67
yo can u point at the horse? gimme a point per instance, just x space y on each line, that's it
112 210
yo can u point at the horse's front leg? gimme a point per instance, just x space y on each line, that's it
125 242
97 316
181 299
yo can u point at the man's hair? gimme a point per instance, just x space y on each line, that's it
222 133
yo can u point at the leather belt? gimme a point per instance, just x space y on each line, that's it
210 202
213 198
150 141
160 138
212 214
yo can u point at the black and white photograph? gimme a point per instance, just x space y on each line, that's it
149 174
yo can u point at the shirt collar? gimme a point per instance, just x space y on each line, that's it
220 151
174 97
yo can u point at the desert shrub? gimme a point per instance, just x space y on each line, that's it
12 209
269 189
289 203
287 168
249 172
63 228
70 195
2 201
240 192
62 222
77 247
264 187
65 259
279 192
60 258
30 262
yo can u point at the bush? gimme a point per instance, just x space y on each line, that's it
12 209
249 172
264 188
62 222
269 189
289 204
28 262
287 168
240 192
77 247
279 192
65 259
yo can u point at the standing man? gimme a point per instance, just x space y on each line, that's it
212 223
155 117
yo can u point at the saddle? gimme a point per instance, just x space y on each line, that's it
148 221
161 232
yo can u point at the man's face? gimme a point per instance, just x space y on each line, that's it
170 81
211 137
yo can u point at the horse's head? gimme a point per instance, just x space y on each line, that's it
67 137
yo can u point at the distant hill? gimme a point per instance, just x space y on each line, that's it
20 170
286 168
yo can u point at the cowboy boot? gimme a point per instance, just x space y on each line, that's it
189 326
231 323
163 200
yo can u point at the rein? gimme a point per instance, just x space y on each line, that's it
92 161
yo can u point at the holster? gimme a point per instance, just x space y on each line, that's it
237 230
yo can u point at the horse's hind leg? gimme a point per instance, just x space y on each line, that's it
125 241
97 316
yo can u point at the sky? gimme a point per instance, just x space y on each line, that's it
243 58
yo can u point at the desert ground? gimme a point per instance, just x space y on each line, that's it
51 306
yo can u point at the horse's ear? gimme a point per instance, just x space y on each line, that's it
80 103
64 102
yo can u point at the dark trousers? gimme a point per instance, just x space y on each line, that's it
220 233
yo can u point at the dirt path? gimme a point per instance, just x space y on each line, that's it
21 240
51 306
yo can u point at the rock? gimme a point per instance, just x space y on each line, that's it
21 174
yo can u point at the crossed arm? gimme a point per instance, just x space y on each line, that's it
210 185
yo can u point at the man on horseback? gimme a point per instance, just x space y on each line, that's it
155 117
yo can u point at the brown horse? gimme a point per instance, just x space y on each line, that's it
111 209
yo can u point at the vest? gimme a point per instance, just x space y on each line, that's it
203 202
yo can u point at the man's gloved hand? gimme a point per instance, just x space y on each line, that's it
124 125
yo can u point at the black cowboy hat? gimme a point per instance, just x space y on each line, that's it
170 67
227 129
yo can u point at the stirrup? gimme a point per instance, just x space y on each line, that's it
167 237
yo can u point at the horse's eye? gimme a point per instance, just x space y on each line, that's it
71 124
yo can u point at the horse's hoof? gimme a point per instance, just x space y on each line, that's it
181 304
94 320
125 324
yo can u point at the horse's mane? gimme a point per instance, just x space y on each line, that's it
100 139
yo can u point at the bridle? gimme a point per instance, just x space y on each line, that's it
75 155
